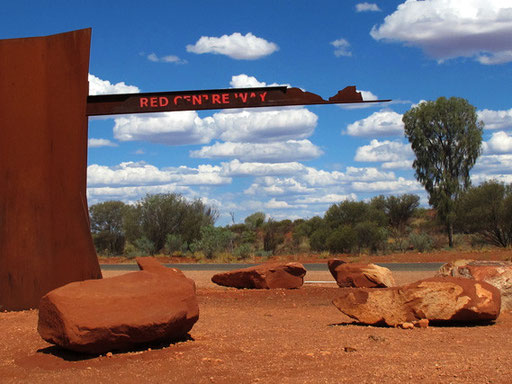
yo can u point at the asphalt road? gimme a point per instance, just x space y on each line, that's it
308 266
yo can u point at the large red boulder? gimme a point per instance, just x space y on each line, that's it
358 275
434 299
119 313
264 276
497 273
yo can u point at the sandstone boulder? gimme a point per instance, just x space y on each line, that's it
434 299
264 276
119 313
497 273
359 275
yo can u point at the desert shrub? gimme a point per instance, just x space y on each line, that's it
342 240
486 210
262 253
213 240
145 246
130 250
243 251
107 227
273 235
420 241
174 243
370 236
155 216
318 239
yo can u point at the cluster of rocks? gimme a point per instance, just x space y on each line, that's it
496 273
464 291
159 303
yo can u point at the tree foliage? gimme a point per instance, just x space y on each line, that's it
107 226
446 138
255 220
156 216
213 240
487 211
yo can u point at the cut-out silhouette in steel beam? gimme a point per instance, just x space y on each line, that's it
215 99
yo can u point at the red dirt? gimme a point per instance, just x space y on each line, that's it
272 336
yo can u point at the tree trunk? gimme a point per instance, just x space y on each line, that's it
450 234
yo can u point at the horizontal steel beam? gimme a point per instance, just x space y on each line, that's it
214 99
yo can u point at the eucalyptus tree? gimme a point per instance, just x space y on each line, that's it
446 138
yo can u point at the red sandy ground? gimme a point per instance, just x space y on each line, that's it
272 336
407 257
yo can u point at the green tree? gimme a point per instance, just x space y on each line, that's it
213 240
107 226
156 216
487 211
446 138
273 235
342 240
255 220
346 213
318 239
400 210
370 235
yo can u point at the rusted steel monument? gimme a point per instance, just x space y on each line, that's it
45 239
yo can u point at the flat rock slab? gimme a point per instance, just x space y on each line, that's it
358 275
497 273
264 276
435 299
122 312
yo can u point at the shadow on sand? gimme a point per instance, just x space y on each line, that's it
69 355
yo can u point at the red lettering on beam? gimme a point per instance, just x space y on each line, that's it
163 101
263 95
243 96
225 98
153 101
177 99
215 99
197 99
143 102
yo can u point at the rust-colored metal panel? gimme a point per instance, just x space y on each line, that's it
215 99
45 240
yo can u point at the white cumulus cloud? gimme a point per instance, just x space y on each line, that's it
341 48
384 151
278 152
398 186
95 143
166 59
500 142
171 128
367 7
246 81
447 29
236 46
265 125
138 174
98 86
237 168
379 124
496 119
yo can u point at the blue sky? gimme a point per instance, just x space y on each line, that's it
288 162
